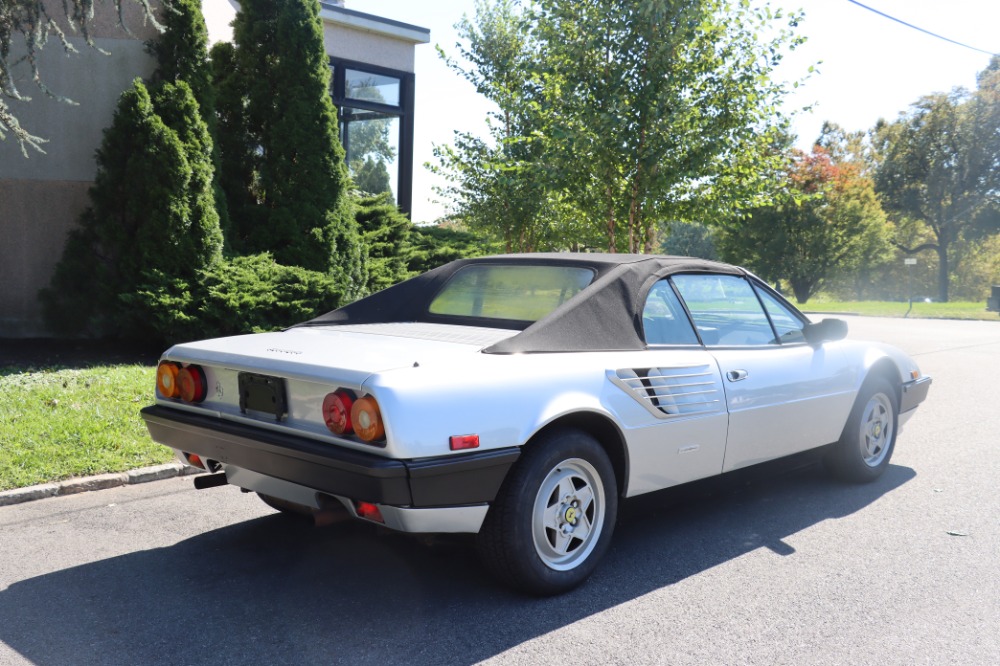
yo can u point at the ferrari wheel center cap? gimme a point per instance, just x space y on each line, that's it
570 515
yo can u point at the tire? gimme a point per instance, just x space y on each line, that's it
552 520
868 440
284 506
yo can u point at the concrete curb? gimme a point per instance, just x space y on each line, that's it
99 482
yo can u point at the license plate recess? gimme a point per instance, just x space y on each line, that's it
263 393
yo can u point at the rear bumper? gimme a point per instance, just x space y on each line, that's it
444 481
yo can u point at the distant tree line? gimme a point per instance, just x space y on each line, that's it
925 185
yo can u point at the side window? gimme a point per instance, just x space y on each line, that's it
663 319
786 324
725 310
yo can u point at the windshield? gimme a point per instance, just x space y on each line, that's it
509 292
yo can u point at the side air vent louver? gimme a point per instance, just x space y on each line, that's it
674 391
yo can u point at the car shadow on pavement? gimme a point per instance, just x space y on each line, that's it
276 591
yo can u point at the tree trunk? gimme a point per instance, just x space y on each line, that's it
650 246
610 221
802 289
942 252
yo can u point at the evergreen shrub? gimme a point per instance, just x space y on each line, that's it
250 294
385 233
152 212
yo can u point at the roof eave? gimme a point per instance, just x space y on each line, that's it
374 24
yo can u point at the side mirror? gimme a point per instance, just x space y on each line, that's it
827 330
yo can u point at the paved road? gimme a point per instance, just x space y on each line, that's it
791 569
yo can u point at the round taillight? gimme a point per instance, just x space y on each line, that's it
337 411
367 419
166 379
191 383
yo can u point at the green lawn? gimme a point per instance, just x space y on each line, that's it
57 423
967 310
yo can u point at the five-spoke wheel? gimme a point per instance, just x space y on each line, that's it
552 520
864 449
568 514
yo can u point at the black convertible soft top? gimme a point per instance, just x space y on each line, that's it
604 316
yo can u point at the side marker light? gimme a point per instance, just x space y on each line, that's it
462 442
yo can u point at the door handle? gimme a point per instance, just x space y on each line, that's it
736 375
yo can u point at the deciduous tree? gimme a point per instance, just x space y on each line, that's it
618 115
828 220
498 184
34 22
938 165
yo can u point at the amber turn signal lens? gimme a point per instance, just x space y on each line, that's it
191 383
166 379
367 419
337 412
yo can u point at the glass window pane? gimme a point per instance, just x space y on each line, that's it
725 310
788 326
521 293
663 318
371 87
372 142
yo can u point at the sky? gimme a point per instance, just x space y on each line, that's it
867 67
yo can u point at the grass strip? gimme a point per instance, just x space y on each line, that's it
57 423
921 310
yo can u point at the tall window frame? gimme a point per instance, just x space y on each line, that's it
346 106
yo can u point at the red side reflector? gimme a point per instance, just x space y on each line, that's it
369 511
195 460
461 442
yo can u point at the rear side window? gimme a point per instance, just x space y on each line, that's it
663 319
725 310
509 292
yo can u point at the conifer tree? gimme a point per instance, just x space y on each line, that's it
385 232
151 217
235 169
297 182
181 54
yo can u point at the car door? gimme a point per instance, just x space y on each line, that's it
783 395
678 382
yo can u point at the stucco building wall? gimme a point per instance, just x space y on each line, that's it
42 196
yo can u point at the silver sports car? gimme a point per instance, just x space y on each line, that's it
520 397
